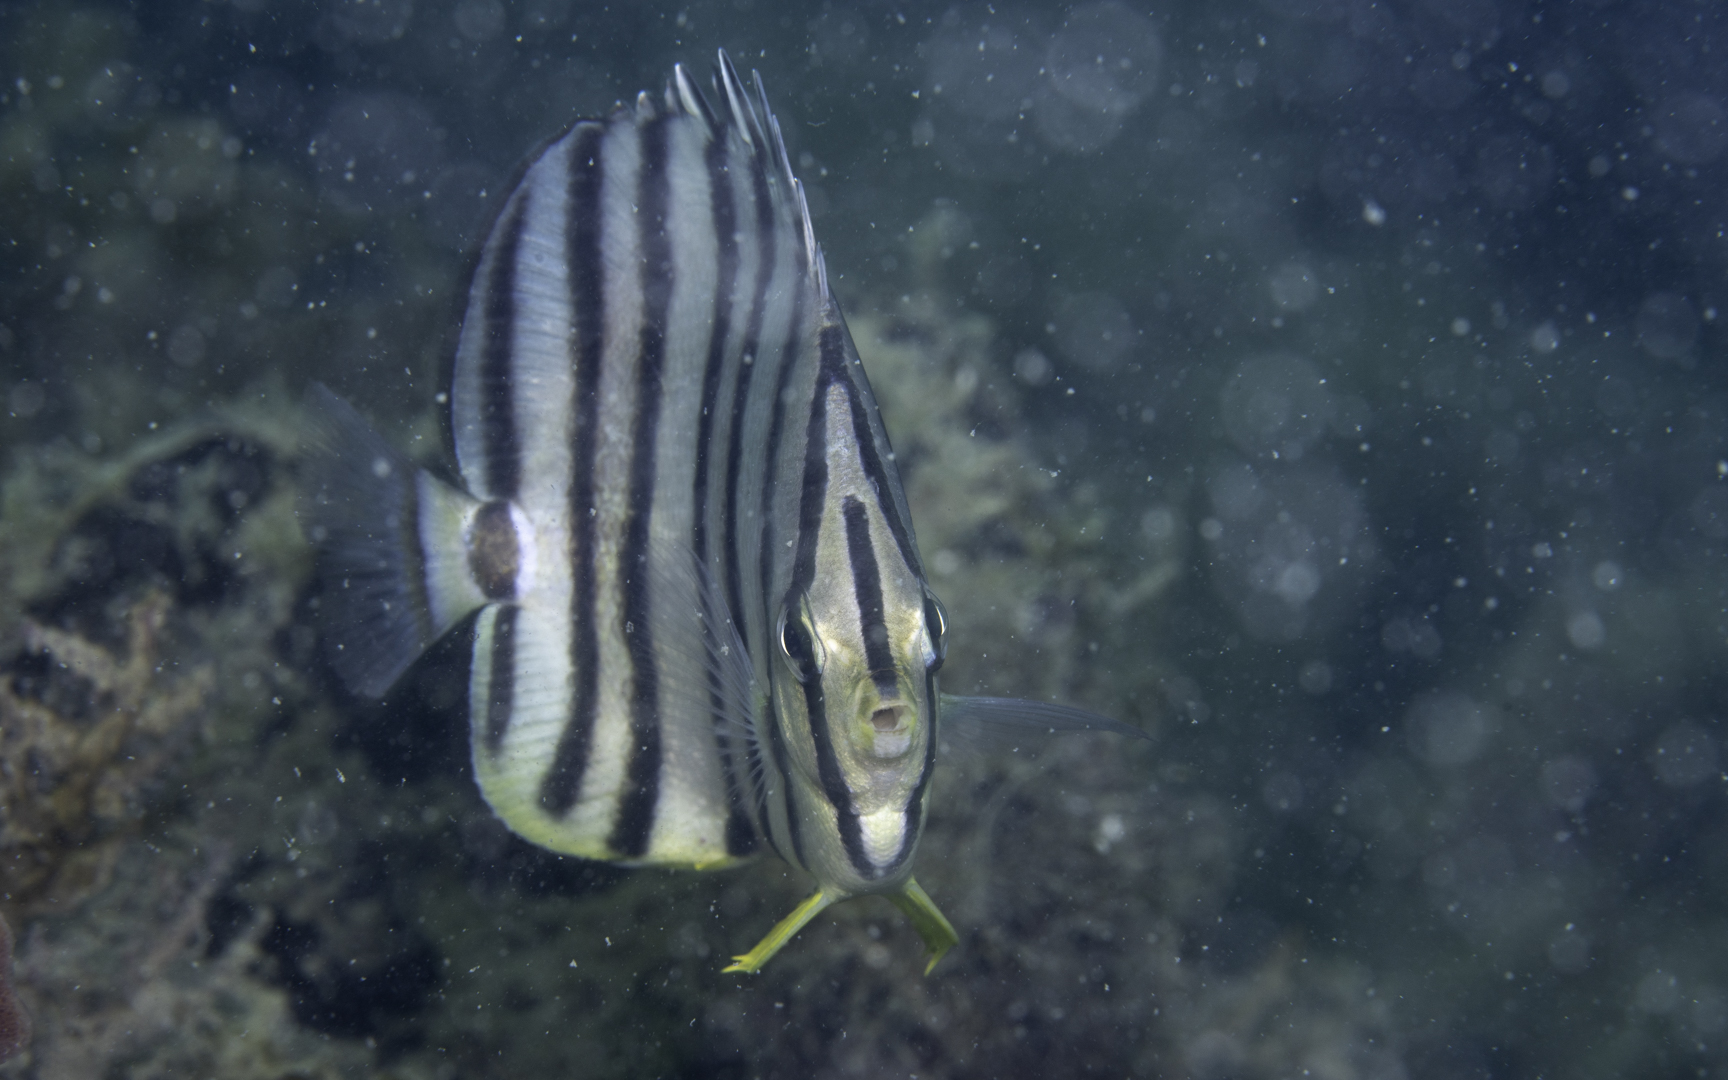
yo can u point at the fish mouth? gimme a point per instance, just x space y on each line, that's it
888 718
889 734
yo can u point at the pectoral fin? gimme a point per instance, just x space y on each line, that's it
971 725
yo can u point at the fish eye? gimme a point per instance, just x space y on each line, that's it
936 626
798 641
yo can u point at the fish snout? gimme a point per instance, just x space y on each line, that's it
889 733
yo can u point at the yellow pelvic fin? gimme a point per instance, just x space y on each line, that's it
937 932
786 928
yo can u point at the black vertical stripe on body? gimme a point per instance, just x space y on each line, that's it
563 781
740 834
725 232
771 459
867 588
814 486
635 822
831 369
767 255
497 362
501 677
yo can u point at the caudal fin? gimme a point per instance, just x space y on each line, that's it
388 538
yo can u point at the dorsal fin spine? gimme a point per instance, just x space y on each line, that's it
760 129
738 100
793 184
690 97
821 270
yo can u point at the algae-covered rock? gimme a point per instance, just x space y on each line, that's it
85 738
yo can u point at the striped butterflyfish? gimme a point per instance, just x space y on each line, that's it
700 623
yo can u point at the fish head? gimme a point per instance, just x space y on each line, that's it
863 644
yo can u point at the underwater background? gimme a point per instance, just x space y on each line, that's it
1334 390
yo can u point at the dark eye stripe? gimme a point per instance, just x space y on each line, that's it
799 648
936 625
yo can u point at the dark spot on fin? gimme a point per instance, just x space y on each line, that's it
493 552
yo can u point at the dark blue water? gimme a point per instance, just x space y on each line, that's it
1334 390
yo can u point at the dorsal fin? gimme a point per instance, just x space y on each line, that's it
744 116
821 270
772 125
683 93
684 96
778 141
748 113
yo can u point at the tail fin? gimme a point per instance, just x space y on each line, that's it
388 538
